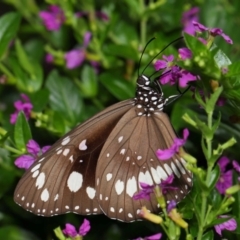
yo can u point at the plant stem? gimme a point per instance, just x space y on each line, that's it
209 169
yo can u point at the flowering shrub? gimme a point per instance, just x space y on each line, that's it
63 61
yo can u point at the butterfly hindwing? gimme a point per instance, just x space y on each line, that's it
63 179
129 157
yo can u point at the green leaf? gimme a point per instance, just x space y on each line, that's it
217 122
64 97
59 234
208 235
211 102
125 51
16 233
22 132
233 69
202 126
214 176
23 58
9 26
120 88
39 99
26 82
221 59
195 45
88 83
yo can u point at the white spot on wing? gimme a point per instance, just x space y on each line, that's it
120 210
175 170
180 166
128 158
112 209
36 167
119 187
189 179
65 140
161 173
90 192
131 186
139 157
45 195
109 176
41 159
59 151
56 197
40 180
155 175
120 139
76 208
82 145
168 169
145 178
130 215
35 174
122 151
66 151
74 181
71 158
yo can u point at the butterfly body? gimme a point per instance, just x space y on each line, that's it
97 167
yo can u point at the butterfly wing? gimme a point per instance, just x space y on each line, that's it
129 157
63 179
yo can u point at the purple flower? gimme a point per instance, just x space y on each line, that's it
225 180
188 17
185 53
145 192
221 101
229 225
186 77
156 236
53 18
147 189
21 105
172 204
213 31
173 73
34 150
75 57
236 166
177 143
167 185
49 58
71 231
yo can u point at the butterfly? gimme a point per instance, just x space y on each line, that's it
97 167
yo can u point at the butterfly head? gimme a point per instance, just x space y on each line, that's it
143 82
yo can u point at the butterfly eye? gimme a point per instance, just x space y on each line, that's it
143 81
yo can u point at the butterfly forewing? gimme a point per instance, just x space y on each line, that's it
129 157
63 179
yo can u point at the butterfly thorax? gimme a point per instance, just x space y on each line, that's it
147 99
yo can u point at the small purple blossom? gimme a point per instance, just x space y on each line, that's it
185 53
188 17
213 31
221 101
177 143
225 180
229 225
236 166
71 231
53 18
156 236
173 73
145 192
75 57
147 189
49 58
34 150
21 105
172 204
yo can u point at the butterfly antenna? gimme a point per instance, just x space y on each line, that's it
160 53
143 53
